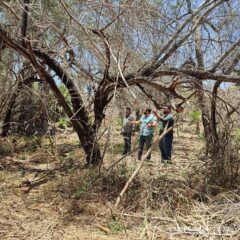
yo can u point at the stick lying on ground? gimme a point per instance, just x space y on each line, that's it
120 196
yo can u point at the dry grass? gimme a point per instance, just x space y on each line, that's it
163 202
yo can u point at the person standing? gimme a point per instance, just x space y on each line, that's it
127 130
165 144
147 123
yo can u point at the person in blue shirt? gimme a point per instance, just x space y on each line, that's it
165 144
147 123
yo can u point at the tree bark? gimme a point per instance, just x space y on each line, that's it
8 115
200 91
87 133
78 116
24 20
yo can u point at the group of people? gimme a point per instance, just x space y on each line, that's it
148 122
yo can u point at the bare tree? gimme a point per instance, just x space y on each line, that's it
105 46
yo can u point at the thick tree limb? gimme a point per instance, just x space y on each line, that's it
76 99
155 102
199 74
162 88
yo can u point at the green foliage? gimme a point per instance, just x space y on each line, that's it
91 119
201 136
3 71
64 122
123 171
33 143
237 133
86 184
83 189
23 157
132 192
196 115
117 148
65 92
5 149
115 226
62 119
119 121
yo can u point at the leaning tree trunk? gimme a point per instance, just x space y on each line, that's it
90 145
205 118
203 102
79 117
215 138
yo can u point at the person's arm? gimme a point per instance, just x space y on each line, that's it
131 119
135 122
133 125
121 130
166 119
156 114
152 123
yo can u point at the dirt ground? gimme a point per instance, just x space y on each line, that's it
48 194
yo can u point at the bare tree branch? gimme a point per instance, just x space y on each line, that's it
225 55
24 20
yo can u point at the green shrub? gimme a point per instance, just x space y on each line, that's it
201 137
86 183
63 123
83 189
237 133
5 149
115 226
196 115
33 143
117 148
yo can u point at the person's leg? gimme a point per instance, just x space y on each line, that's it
149 144
141 146
168 147
125 138
162 148
129 136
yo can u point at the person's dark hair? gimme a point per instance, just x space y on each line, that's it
149 110
168 107
128 108
179 109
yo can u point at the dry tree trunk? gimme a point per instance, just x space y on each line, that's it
121 194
